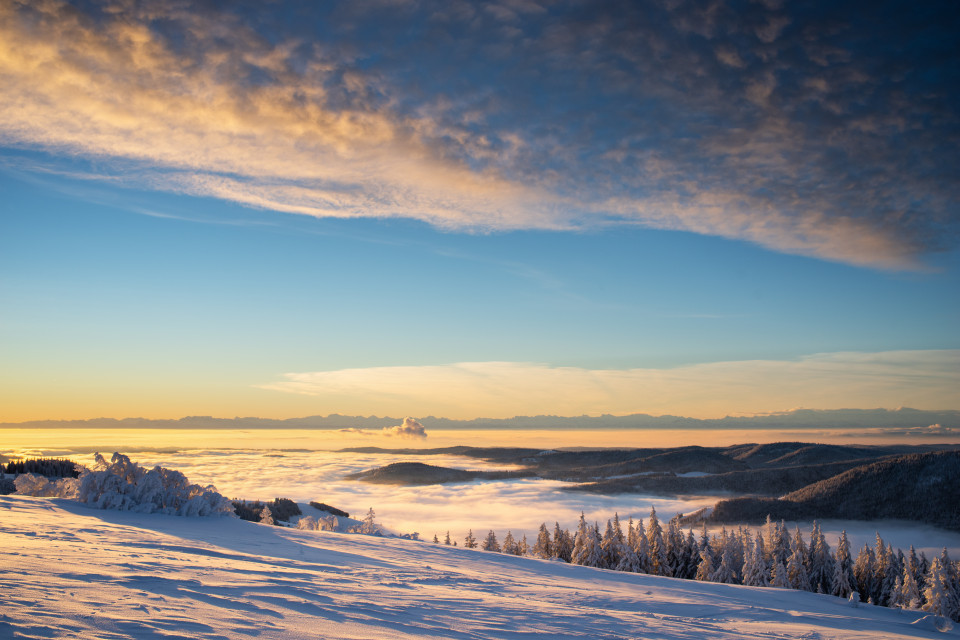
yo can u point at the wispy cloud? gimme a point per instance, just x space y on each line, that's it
923 379
777 125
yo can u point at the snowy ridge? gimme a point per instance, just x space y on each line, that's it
72 571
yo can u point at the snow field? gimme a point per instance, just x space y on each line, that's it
72 571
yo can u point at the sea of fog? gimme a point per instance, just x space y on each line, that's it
305 466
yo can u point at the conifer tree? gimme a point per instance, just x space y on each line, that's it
755 566
659 563
265 516
909 590
470 542
705 568
938 595
436 540
843 578
797 572
628 559
725 573
510 545
562 543
642 548
778 577
542 547
523 548
610 547
631 534
580 542
821 561
490 542
446 540
863 572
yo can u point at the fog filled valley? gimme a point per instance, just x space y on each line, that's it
579 506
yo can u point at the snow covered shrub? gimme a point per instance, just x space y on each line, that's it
32 484
307 523
126 486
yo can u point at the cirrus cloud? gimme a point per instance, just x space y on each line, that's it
775 125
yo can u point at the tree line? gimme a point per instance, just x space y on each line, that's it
771 557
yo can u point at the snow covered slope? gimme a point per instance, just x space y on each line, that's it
70 571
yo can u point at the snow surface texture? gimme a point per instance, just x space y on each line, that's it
72 571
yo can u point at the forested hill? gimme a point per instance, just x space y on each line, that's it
922 487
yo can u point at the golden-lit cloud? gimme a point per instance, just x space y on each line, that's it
919 379
233 115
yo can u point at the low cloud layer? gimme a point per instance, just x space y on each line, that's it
919 379
804 129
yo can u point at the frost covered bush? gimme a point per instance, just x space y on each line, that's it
32 484
126 486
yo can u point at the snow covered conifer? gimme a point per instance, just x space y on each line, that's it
523 548
909 590
470 542
938 595
797 571
542 547
446 540
610 547
510 545
642 548
659 563
863 572
580 541
705 568
562 543
265 516
755 566
843 578
821 561
778 577
490 542
369 525
725 573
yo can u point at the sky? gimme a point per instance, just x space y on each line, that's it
466 210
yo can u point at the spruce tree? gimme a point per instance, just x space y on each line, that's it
470 542
265 516
779 577
446 540
523 548
755 567
863 572
705 568
938 595
659 563
642 549
490 542
510 545
910 591
580 542
797 571
542 547
843 578
821 561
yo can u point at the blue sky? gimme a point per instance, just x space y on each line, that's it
685 208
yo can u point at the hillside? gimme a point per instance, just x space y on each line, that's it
919 487
71 571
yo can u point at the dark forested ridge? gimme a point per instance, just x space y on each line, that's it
923 487
789 480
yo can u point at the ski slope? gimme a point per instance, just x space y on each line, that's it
71 571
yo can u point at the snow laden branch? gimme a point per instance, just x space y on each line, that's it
123 485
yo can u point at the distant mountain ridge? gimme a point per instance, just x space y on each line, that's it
945 422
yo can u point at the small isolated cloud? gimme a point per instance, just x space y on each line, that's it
410 428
